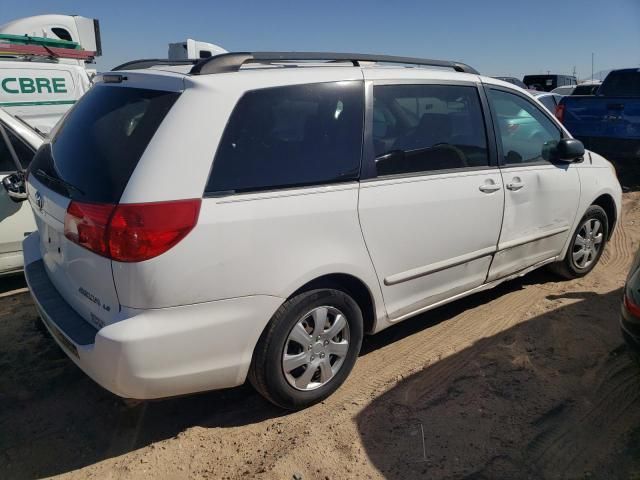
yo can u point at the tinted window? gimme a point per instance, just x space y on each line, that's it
62 33
584 90
621 84
24 152
291 136
419 128
527 135
548 102
101 140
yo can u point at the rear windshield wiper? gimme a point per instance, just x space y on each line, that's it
58 181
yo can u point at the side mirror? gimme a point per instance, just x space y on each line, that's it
569 150
15 186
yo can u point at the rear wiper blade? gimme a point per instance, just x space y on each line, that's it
57 181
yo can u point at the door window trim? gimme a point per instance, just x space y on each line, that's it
368 171
498 141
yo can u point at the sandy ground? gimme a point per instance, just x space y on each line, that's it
530 380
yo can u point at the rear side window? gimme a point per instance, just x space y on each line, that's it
291 136
422 128
621 84
100 142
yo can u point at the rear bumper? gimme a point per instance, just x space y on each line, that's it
155 353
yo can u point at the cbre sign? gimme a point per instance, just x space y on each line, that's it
18 85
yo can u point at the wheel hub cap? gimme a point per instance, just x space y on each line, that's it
316 348
587 243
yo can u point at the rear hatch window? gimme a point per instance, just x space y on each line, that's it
625 83
97 147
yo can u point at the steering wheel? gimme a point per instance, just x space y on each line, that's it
459 153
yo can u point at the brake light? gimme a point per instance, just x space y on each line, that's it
130 232
86 224
560 112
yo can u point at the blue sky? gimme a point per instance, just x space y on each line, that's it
494 36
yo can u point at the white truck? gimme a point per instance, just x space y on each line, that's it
193 50
43 66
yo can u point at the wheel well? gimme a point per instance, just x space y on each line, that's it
608 205
351 285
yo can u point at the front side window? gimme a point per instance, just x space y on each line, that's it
423 128
527 135
291 136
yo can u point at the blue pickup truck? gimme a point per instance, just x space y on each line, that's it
609 122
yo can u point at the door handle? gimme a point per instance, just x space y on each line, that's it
489 187
515 186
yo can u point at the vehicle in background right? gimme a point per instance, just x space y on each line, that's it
514 81
549 99
609 122
548 82
587 88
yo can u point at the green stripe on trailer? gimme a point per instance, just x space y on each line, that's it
42 41
30 104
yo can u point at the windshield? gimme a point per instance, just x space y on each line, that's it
99 143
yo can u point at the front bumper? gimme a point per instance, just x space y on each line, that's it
159 352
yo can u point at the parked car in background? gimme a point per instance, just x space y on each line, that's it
564 90
514 81
609 122
16 218
548 82
549 99
586 88
630 315
321 202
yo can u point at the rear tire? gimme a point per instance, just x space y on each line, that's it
308 349
587 244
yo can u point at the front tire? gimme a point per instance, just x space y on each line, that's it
308 349
587 244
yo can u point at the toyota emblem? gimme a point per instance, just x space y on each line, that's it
39 201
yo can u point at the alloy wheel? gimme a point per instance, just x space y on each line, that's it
588 243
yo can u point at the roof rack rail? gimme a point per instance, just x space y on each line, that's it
151 62
231 62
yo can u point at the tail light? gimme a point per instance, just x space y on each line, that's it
631 307
560 112
130 232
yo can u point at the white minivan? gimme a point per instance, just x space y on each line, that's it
252 215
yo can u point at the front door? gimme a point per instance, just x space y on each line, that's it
16 219
432 209
541 197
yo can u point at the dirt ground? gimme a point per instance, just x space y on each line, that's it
529 380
